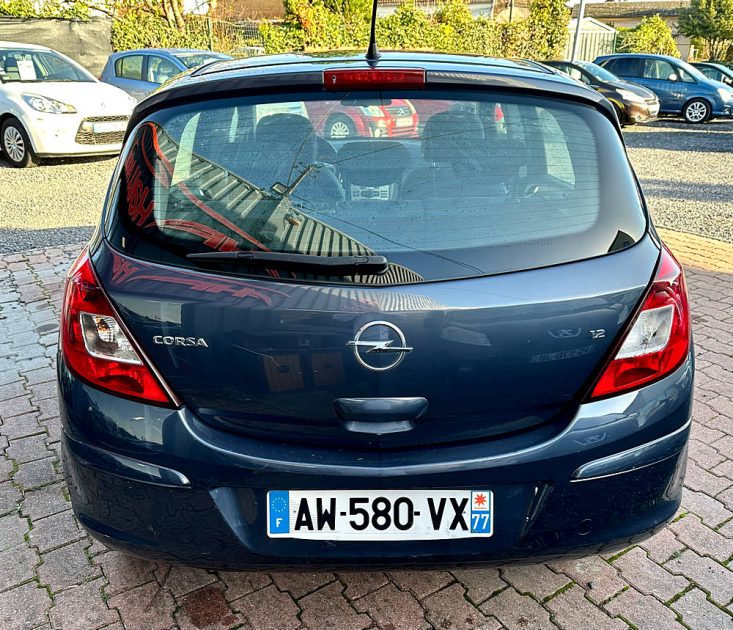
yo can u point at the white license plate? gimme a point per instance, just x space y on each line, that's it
109 125
403 122
380 514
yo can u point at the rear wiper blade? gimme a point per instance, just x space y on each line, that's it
325 265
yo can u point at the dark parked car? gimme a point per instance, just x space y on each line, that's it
681 88
140 71
716 71
633 103
464 347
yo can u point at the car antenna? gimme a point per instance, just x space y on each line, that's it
373 53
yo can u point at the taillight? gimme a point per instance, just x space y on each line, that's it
97 347
659 339
342 79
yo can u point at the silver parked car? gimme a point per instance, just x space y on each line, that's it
139 72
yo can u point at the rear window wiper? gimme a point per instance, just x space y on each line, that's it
324 265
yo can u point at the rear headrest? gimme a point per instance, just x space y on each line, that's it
217 121
289 133
212 133
448 135
373 162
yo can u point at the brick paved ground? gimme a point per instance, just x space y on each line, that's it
54 576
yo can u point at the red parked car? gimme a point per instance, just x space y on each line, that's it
396 120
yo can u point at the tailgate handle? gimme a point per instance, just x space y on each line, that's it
379 415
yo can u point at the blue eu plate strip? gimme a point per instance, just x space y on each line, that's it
279 502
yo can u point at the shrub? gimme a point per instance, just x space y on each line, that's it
651 35
548 28
350 9
282 38
137 29
516 39
141 29
64 10
58 9
451 29
408 28
321 28
18 8
459 32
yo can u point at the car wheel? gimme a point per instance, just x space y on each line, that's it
340 127
16 145
696 111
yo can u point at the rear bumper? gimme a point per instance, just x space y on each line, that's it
161 484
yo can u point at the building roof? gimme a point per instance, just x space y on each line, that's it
591 24
633 9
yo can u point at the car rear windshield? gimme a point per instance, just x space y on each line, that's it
442 184
195 59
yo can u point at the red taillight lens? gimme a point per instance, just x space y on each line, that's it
372 78
95 344
658 341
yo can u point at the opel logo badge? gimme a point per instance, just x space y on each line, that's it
379 346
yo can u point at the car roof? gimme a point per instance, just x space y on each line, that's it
578 63
642 55
424 58
6 44
711 64
170 51
229 77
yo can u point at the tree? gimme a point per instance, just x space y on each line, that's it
170 10
712 22
651 35
548 24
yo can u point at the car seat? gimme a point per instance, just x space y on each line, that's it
508 154
455 158
11 69
286 146
372 169
163 71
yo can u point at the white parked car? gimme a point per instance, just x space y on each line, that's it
51 106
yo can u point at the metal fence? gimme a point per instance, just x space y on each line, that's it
240 39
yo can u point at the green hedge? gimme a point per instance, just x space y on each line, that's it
137 29
140 29
310 26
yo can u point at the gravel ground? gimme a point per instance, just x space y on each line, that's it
686 172
57 203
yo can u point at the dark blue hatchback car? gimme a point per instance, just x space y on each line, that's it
465 345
